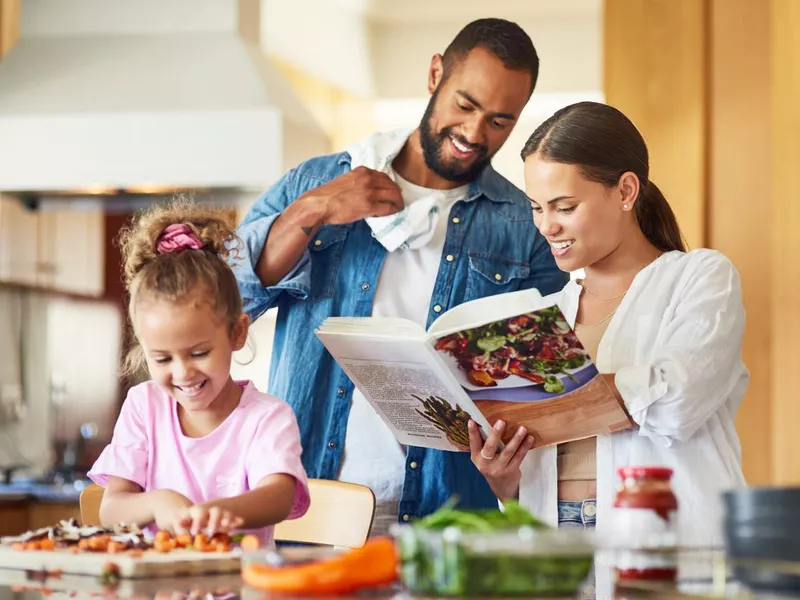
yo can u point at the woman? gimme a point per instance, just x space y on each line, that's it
663 325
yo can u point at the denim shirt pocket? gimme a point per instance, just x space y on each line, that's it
490 274
326 253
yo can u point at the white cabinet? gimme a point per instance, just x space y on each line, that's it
62 250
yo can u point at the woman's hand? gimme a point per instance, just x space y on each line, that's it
502 470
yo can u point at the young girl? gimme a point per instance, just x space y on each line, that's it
663 324
194 450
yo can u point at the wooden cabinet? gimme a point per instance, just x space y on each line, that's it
18 243
71 252
13 517
19 516
44 514
62 250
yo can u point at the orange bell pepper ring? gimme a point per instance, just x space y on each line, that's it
372 565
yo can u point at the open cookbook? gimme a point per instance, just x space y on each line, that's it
512 357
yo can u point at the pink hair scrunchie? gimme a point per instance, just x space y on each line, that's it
178 237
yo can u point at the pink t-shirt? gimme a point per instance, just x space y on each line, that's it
259 438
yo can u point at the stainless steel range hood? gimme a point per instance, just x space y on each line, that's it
108 95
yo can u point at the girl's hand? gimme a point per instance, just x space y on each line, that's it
502 470
168 507
208 519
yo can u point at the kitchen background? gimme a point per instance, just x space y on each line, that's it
109 105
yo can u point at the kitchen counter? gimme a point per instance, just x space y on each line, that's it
43 492
708 578
25 506
229 587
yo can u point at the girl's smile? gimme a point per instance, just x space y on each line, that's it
188 347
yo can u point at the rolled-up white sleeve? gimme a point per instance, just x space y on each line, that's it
696 359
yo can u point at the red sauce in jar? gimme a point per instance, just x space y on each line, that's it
644 523
647 488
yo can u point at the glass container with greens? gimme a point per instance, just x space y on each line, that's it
491 553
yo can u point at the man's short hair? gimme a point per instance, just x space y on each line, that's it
504 39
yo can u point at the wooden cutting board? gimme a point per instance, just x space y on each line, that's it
176 563
81 587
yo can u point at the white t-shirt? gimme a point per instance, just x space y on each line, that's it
372 455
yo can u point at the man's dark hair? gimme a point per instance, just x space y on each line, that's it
506 40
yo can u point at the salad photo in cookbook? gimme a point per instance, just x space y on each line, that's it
511 357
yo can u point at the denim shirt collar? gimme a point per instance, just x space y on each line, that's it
389 144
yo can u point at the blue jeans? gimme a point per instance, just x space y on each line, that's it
580 514
577 514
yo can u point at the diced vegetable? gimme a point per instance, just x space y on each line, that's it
372 565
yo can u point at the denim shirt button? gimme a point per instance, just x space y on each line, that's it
456 220
365 286
413 464
318 243
498 277
332 444
340 391
450 258
406 518
437 308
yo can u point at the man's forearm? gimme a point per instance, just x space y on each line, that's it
268 504
288 238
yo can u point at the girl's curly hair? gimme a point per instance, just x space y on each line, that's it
177 276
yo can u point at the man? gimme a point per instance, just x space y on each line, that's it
402 225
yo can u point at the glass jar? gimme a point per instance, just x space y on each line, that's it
645 524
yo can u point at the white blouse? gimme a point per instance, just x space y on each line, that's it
675 346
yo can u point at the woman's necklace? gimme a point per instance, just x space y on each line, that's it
608 316
585 289
603 320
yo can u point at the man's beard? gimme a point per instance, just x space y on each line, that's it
433 150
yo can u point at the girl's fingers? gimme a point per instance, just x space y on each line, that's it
213 520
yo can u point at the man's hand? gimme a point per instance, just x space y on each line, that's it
356 195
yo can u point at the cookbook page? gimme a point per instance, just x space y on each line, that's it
485 310
531 370
420 401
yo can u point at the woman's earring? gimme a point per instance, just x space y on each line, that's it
624 207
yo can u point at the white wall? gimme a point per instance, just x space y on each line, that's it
110 17
27 441
252 362
569 49
324 38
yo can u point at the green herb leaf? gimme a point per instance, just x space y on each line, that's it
491 343
553 384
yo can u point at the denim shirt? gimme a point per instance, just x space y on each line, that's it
497 249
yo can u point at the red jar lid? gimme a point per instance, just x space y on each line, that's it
645 472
